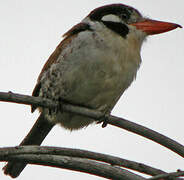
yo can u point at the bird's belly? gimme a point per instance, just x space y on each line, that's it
102 97
93 86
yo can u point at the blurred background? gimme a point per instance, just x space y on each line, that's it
29 33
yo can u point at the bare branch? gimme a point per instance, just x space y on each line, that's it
96 115
37 101
168 175
115 161
77 164
44 155
28 100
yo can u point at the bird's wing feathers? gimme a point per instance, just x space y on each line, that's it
69 35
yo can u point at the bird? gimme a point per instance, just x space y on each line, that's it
93 65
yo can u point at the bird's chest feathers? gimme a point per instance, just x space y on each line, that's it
94 69
122 59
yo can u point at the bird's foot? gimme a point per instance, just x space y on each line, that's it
103 120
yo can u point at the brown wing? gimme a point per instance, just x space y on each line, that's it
35 93
54 56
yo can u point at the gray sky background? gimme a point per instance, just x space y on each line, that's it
30 31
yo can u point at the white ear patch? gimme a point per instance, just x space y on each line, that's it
111 17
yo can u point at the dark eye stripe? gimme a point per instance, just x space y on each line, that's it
117 27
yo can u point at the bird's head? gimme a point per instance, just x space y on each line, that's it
123 19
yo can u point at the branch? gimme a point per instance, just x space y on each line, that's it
112 160
167 175
72 163
69 158
96 115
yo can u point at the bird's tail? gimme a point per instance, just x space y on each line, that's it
35 137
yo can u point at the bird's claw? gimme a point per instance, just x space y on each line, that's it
104 120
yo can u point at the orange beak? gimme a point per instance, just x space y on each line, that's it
152 27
